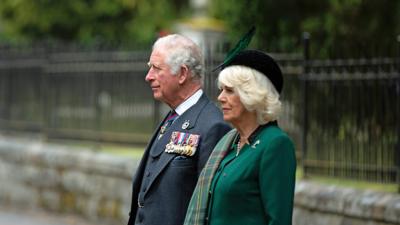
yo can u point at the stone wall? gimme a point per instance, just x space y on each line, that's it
94 185
317 204
98 187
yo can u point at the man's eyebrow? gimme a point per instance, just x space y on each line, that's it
155 65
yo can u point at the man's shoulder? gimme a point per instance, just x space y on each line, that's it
211 117
212 106
211 111
207 114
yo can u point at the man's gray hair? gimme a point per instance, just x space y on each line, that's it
180 50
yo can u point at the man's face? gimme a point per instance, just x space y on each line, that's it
163 83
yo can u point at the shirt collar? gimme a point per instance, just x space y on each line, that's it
189 102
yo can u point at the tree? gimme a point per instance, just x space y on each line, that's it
276 21
113 21
354 28
347 25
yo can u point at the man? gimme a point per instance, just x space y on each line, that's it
180 147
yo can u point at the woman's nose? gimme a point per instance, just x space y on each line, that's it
221 97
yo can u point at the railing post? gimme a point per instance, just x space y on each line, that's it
7 78
46 105
397 153
8 97
306 55
100 101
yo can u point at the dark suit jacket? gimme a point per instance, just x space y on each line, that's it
164 182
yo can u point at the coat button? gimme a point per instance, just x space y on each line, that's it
140 205
154 159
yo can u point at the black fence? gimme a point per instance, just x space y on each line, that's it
351 118
98 96
342 114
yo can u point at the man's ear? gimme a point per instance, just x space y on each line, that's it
183 74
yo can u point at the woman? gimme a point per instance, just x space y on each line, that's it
250 176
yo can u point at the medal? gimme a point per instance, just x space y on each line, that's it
182 143
185 124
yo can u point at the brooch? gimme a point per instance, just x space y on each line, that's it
255 144
183 143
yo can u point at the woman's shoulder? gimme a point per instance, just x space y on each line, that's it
272 132
275 143
273 128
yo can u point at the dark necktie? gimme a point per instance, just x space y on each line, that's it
170 119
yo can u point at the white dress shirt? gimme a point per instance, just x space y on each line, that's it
189 102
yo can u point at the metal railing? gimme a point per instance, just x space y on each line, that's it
98 96
351 118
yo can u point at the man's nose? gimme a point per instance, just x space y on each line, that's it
149 75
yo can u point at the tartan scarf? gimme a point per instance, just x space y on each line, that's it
197 209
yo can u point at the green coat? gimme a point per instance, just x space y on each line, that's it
257 186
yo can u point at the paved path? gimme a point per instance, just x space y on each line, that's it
38 217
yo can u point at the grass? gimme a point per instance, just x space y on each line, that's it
134 152
342 182
127 151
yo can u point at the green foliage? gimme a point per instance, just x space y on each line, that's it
355 27
337 27
276 21
86 21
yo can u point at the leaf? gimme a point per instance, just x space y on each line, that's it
242 44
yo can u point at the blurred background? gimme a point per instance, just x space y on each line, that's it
72 72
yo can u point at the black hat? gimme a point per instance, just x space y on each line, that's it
254 59
261 62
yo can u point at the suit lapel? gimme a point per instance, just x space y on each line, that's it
142 166
146 154
190 116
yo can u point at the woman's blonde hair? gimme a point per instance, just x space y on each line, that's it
255 90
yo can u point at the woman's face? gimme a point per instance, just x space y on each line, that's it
232 107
